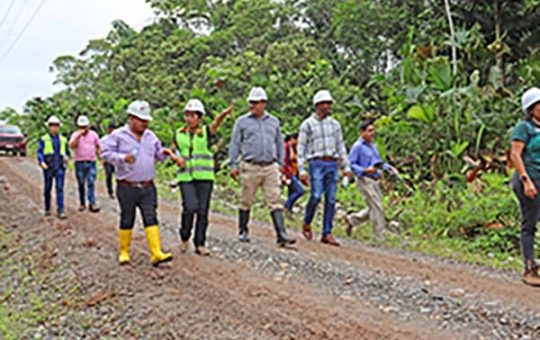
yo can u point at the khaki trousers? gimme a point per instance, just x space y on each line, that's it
254 177
371 191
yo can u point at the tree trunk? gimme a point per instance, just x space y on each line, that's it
499 53
452 36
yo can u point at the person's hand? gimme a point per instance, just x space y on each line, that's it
43 165
228 110
394 171
130 158
304 178
370 170
180 162
530 189
235 173
167 152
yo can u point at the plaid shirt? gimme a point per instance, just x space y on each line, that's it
321 138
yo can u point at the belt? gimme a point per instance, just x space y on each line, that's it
261 163
141 184
326 159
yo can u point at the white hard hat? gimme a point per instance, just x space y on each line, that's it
140 109
322 96
257 94
83 121
195 105
53 120
529 98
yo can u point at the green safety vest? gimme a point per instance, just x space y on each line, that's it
199 159
48 148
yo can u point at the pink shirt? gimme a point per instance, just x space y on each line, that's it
86 148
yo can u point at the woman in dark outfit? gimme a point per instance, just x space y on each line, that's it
191 148
526 180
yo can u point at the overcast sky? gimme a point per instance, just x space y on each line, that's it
60 27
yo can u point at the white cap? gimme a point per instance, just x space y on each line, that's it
53 120
195 105
257 94
140 109
529 98
83 121
322 96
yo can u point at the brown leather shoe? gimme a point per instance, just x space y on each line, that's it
306 231
330 240
531 278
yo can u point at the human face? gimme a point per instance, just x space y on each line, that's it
54 129
193 119
368 134
257 107
324 109
137 125
293 142
535 111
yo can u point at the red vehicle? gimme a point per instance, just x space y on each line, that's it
12 140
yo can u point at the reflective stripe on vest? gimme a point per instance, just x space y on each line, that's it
48 146
199 159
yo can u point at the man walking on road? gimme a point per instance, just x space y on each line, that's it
109 168
257 140
367 164
133 149
52 155
321 144
85 145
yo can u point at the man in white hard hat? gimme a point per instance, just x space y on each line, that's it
133 150
52 155
192 153
320 143
86 148
525 156
258 142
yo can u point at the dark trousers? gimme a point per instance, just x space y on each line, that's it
58 175
196 197
131 198
530 214
86 172
295 192
109 171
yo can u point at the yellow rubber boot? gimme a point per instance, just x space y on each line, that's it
154 243
124 240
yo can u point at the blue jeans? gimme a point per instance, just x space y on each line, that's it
58 176
295 192
324 179
86 176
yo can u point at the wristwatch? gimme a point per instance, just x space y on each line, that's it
524 178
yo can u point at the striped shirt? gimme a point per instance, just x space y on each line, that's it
321 138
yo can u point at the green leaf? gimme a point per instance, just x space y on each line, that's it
458 148
417 112
440 74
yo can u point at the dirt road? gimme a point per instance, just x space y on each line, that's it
244 291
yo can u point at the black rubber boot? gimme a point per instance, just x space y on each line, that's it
243 221
279 226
